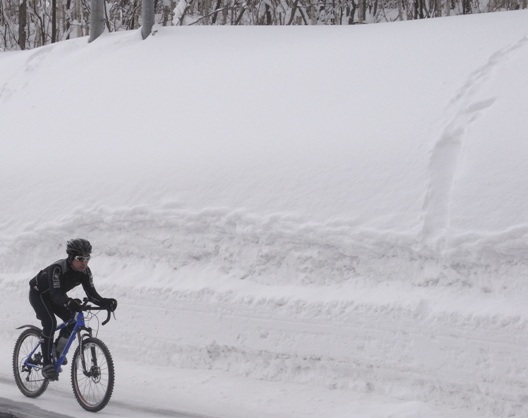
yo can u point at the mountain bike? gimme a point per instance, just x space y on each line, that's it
92 368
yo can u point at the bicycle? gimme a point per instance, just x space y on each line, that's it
92 368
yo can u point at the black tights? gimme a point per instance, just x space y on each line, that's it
46 312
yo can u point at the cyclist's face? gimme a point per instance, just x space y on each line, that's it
80 265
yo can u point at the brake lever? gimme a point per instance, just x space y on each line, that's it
108 316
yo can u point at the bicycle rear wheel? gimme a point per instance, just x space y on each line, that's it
28 376
92 383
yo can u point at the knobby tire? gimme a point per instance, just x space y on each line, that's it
93 392
29 379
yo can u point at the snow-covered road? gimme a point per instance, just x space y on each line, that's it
178 353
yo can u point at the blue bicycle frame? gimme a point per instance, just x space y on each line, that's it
80 325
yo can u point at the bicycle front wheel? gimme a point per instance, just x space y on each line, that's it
27 364
93 380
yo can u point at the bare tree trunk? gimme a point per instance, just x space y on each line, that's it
267 13
97 23
78 17
239 17
66 18
438 8
53 21
147 16
362 12
22 21
400 10
40 32
375 9
215 14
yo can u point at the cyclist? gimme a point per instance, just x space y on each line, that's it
48 297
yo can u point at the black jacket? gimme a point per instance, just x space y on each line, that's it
58 278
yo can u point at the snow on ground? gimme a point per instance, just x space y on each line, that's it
297 222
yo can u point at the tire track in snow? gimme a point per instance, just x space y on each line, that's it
462 111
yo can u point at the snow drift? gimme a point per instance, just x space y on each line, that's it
333 206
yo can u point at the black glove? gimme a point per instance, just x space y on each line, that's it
74 305
110 304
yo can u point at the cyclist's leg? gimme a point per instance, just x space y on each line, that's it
65 314
43 309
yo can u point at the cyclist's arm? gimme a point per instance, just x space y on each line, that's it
89 289
57 294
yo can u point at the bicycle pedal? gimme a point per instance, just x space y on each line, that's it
50 375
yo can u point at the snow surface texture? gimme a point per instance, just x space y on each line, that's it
323 221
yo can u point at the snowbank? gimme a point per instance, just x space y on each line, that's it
334 207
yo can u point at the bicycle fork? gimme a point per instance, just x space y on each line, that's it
89 370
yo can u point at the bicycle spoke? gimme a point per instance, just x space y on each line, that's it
27 364
93 388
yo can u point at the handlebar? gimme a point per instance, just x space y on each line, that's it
85 307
